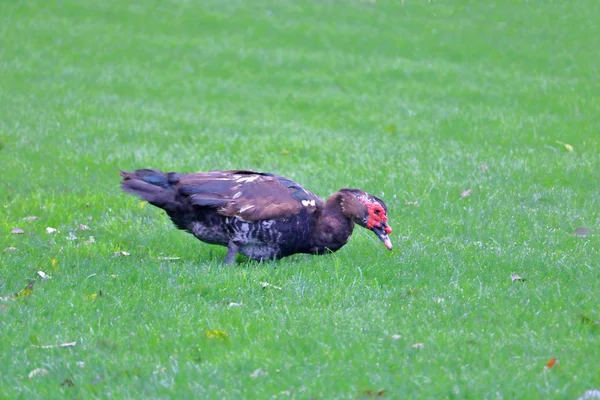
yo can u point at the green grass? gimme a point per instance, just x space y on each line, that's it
404 101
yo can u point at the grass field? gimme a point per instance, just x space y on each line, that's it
413 101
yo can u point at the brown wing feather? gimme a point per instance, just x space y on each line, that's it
249 195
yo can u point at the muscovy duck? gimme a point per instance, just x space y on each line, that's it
261 215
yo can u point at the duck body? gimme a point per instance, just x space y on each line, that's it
260 215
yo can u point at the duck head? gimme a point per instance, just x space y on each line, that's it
367 211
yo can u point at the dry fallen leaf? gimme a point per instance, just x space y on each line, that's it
517 277
551 363
257 373
38 372
122 253
590 395
51 230
54 346
267 284
418 345
67 382
465 193
44 275
588 321
216 334
582 232
10 249
17 231
27 291
94 296
374 393
568 147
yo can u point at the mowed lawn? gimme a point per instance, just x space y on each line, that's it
477 122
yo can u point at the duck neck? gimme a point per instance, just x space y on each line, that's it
332 228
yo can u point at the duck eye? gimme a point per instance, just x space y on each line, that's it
377 212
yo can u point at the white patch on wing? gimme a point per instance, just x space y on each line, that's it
307 203
238 194
247 179
246 208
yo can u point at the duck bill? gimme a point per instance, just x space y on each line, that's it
380 232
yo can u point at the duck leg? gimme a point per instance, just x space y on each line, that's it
232 250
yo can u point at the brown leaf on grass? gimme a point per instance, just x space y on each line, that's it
17 231
418 346
27 291
551 363
517 277
567 146
374 393
582 232
94 296
466 193
121 253
588 321
10 249
67 382
38 372
216 334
